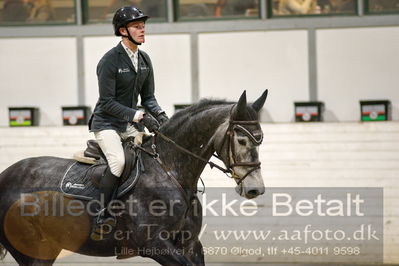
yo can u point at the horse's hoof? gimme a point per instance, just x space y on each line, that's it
111 221
103 228
96 236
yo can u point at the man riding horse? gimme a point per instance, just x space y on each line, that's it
38 219
124 73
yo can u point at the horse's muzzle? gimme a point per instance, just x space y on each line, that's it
249 192
253 193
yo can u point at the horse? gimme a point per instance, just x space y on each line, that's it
161 217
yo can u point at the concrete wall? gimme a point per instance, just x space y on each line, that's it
356 64
38 72
352 64
255 61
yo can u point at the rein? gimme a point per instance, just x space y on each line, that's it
211 164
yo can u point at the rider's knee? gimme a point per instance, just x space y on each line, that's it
117 165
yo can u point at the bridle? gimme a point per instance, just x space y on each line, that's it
237 125
234 125
228 138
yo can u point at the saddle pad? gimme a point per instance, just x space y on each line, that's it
77 181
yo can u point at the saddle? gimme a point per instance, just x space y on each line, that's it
94 151
82 178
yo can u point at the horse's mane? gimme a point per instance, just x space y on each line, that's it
202 105
182 118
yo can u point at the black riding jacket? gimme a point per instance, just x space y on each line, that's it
120 85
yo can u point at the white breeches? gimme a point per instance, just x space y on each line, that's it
111 145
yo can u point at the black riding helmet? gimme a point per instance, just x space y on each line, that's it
124 16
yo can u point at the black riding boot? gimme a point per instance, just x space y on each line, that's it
104 222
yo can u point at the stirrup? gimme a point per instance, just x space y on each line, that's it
102 226
101 230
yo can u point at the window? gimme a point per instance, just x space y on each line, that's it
313 7
382 6
37 11
104 10
45 12
217 9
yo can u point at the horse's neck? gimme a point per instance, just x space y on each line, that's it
197 138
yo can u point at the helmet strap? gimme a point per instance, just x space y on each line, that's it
130 38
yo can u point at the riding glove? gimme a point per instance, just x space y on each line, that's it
150 122
162 118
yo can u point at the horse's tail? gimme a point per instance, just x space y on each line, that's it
3 252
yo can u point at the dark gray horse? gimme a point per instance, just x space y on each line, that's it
161 217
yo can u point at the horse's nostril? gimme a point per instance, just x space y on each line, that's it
253 192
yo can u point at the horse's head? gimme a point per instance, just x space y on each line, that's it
237 144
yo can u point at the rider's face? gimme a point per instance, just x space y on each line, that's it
137 30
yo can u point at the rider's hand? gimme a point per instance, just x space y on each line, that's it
149 122
138 116
162 118
141 116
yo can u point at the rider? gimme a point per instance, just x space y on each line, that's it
124 73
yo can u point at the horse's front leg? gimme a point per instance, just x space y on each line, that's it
166 253
189 249
195 252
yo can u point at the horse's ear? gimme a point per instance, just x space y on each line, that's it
258 104
241 108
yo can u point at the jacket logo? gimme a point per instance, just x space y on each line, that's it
124 70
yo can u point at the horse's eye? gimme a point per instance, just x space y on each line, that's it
242 142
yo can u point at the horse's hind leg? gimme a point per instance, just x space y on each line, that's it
27 261
24 260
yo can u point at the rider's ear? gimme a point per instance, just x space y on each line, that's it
241 108
123 31
258 104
